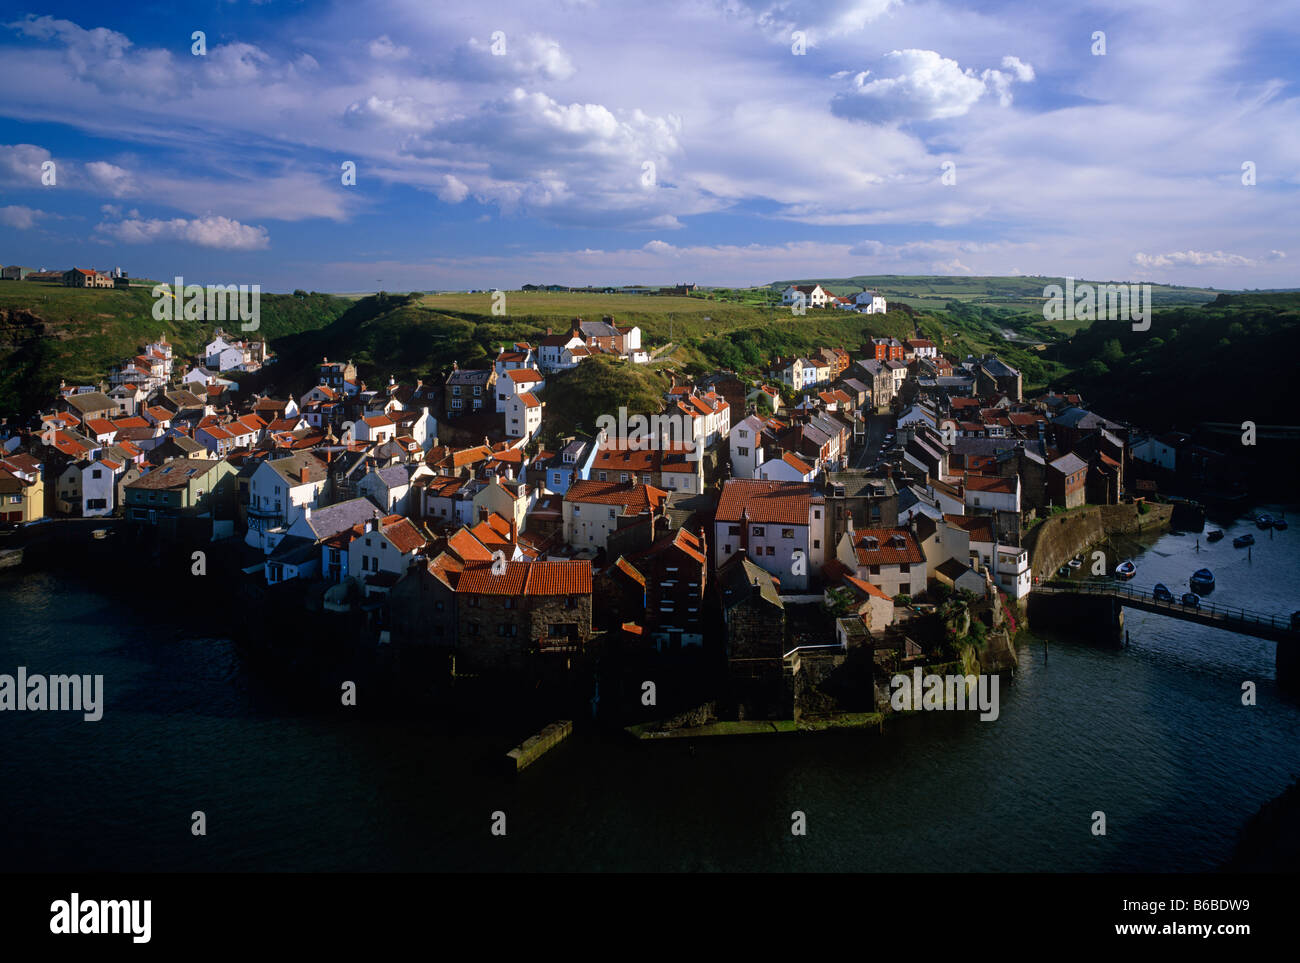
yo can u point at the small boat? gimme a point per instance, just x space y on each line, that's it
1214 536
1191 601
1162 594
1241 541
1125 569
1063 571
1075 563
1264 521
1279 524
1202 581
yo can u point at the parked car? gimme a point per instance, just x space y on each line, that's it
1191 600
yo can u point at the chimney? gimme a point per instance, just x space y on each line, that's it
304 474
514 531
548 332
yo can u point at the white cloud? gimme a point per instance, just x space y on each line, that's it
1197 258
111 178
527 56
453 190
383 48
925 86
19 217
210 231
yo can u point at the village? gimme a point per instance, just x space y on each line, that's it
863 507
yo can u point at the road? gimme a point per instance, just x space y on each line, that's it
869 454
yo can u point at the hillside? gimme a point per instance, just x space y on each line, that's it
599 386
49 332
1228 361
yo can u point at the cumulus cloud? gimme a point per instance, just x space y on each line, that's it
925 86
109 177
527 56
210 231
19 217
396 112
453 190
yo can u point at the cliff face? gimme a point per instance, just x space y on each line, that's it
1058 539
19 327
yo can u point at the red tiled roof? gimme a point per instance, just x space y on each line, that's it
991 483
765 502
892 546
528 578
634 498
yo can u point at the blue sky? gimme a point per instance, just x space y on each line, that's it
614 142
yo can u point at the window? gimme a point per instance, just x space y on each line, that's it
771 550
611 513
904 568
817 513
787 533
97 473
733 529
758 531
726 550
622 476
817 543
455 390
905 588
603 477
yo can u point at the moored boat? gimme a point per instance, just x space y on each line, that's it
1264 521
1241 541
1075 563
1279 524
1125 569
1202 581
1214 536
1162 594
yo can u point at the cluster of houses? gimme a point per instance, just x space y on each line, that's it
815 296
494 547
71 278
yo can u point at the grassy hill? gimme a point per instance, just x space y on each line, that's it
49 332
1018 293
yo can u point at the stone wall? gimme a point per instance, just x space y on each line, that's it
1059 538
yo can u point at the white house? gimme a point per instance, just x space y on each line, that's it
383 552
524 416
813 294
389 488
989 493
517 381
870 302
278 491
374 430
787 468
779 526
747 447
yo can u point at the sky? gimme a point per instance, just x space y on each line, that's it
719 142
